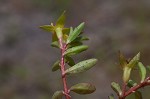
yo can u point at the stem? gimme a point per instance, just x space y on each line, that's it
62 65
134 88
123 91
124 88
142 84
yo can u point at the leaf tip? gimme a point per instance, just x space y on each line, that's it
139 54
95 60
83 23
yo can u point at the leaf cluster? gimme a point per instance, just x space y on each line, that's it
132 86
70 42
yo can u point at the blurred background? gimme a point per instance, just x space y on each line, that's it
26 56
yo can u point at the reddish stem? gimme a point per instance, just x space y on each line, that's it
135 88
62 65
123 91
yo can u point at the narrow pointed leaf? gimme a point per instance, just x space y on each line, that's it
80 39
126 74
131 83
116 87
69 61
138 95
56 66
57 95
111 96
142 70
122 60
148 68
61 20
83 88
47 28
75 50
74 34
66 31
81 66
59 32
55 44
134 61
74 44
71 30
77 42
65 36
84 38
54 37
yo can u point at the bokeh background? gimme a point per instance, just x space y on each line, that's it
26 56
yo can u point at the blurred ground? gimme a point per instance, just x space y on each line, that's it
26 55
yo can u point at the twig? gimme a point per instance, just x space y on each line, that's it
62 65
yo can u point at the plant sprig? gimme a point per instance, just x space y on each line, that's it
129 86
70 42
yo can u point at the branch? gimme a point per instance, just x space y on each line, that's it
146 82
62 65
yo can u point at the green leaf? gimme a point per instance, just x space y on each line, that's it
48 28
54 37
71 30
148 68
126 74
56 66
57 95
83 88
138 95
69 61
81 66
142 71
131 83
74 34
75 50
61 20
66 31
122 60
59 32
73 44
84 38
55 44
80 39
77 41
134 61
116 87
111 96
